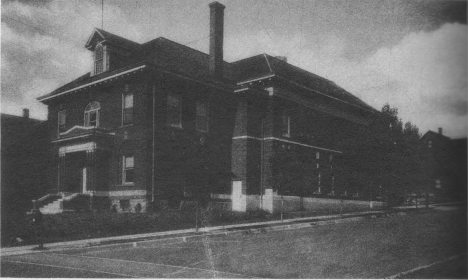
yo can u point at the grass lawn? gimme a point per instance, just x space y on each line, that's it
85 225
371 248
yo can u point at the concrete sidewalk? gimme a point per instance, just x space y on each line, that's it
188 234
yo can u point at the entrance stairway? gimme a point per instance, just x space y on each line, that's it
54 207
61 202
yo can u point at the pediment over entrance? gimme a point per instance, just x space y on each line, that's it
84 131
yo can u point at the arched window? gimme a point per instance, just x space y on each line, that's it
98 60
91 114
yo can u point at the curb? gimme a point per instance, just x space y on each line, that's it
180 236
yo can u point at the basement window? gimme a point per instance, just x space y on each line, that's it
125 204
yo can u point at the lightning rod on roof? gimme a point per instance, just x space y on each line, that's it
102 14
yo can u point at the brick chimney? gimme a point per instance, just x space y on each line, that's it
283 58
216 39
440 130
26 113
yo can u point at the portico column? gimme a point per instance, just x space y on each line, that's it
90 170
61 176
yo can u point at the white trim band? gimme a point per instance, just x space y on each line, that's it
95 82
246 137
90 146
284 140
256 79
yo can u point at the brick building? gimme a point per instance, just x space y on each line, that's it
155 122
444 164
25 160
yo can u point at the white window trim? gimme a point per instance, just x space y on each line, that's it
207 116
288 134
58 120
98 115
104 60
180 110
123 107
124 173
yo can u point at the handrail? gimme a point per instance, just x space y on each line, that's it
70 197
37 203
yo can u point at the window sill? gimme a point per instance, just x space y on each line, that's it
126 125
126 185
174 126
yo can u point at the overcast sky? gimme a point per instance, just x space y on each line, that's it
410 54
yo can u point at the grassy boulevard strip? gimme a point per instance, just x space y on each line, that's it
418 244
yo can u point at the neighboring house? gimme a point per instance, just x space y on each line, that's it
155 122
25 160
444 164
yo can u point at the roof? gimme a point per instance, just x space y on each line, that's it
87 78
433 134
113 39
179 58
265 65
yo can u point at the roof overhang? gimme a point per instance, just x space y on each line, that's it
94 83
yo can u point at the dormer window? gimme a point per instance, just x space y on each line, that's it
98 60
91 114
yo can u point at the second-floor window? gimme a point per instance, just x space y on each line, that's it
202 116
174 110
286 126
98 60
62 120
91 114
127 108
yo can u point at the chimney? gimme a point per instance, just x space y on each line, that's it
283 58
440 130
26 113
216 39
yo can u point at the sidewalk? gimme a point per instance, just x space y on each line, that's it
184 235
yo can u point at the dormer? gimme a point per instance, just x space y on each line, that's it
110 51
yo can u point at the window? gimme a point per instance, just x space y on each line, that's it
91 117
62 120
128 170
125 204
202 116
438 184
98 60
331 158
317 155
174 107
127 109
286 126
429 144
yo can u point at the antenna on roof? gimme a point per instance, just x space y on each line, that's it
102 14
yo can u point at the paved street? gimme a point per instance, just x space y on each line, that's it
433 241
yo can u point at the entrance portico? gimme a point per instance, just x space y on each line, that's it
77 168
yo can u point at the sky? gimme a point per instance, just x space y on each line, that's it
411 54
